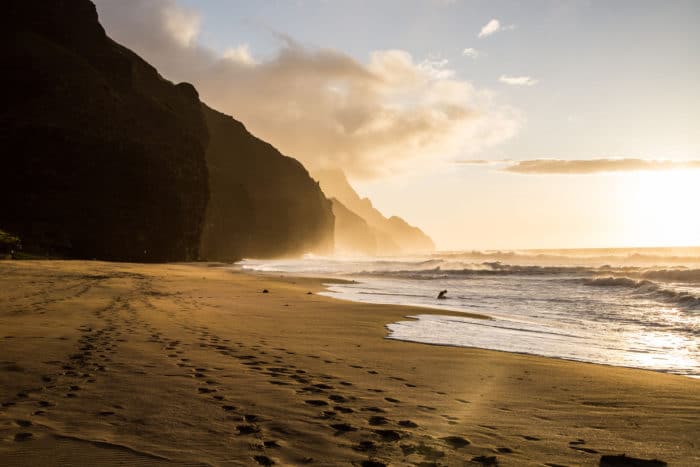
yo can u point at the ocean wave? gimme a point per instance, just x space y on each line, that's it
673 275
682 298
488 268
588 257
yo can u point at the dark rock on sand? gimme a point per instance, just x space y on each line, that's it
621 460
485 460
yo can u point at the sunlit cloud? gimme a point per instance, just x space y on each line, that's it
437 69
240 54
493 27
481 162
517 80
322 106
183 24
591 166
471 52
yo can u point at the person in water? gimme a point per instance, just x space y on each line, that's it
442 295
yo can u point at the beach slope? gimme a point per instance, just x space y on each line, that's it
115 363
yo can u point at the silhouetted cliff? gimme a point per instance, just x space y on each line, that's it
104 158
101 157
262 203
352 233
393 236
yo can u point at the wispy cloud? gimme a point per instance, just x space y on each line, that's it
518 80
482 162
436 68
591 166
471 52
493 27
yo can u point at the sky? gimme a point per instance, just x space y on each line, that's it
489 124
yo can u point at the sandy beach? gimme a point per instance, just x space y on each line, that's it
131 364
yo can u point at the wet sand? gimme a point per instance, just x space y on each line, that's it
125 364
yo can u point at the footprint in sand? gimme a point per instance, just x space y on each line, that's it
456 442
388 435
316 402
377 420
24 436
408 424
485 460
263 460
343 428
247 429
424 450
365 446
342 409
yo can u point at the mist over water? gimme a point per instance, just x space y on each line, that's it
623 307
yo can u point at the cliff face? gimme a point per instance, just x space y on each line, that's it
262 203
352 233
392 236
101 156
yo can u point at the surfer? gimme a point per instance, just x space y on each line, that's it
442 295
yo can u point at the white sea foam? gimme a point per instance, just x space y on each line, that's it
636 308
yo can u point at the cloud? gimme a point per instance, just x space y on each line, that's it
318 105
471 52
481 162
517 80
591 166
240 54
493 27
183 24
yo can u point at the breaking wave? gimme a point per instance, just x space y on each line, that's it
682 298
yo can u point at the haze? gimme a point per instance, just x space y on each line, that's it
461 116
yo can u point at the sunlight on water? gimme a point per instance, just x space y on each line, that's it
623 308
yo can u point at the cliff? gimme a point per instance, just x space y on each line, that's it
262 203
101 157
104 158
392 235
352 233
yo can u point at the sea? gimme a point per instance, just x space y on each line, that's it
636 308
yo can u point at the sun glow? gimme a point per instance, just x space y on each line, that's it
661 208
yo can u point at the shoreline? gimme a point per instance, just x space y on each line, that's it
193 363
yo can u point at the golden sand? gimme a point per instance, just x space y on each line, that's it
109 363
